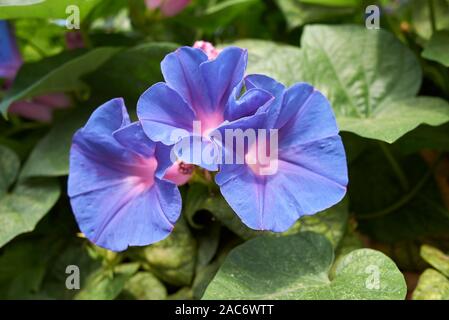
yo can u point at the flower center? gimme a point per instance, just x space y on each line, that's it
262 159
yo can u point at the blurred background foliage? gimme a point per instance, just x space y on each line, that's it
389 89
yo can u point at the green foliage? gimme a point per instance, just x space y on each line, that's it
24 206
172 259
297 267
437 48
279 61
300 12
54 9
60 73
389 90
433 284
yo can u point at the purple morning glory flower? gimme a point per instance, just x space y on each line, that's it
10 60
197 89
311 172
115 196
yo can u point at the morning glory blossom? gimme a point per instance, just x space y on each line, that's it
10 59
115 196
199 90
311 172
37 108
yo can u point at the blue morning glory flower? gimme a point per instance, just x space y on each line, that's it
311 172
115 196
10 60
117 168
199 90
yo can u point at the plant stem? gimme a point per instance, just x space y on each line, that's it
395 166
432 15
405 199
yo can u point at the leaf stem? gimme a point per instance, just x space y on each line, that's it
395 166
432 15
405 199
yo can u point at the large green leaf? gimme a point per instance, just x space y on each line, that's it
298 266
371 80
59 73
9 167
392 119
279 61
299 12
22 209
432 285
55 9
437 49
50 156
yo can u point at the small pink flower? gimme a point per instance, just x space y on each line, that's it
37 108
40 108
74 40
168 8
179 173
208 49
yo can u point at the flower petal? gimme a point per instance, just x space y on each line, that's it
123 215
115 197
133 138
247 104
276 89
306 115
275 202
181 70
221 76
10 59
161 110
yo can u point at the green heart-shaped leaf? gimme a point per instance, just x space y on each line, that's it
370 79
298 267
22 209
392 119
